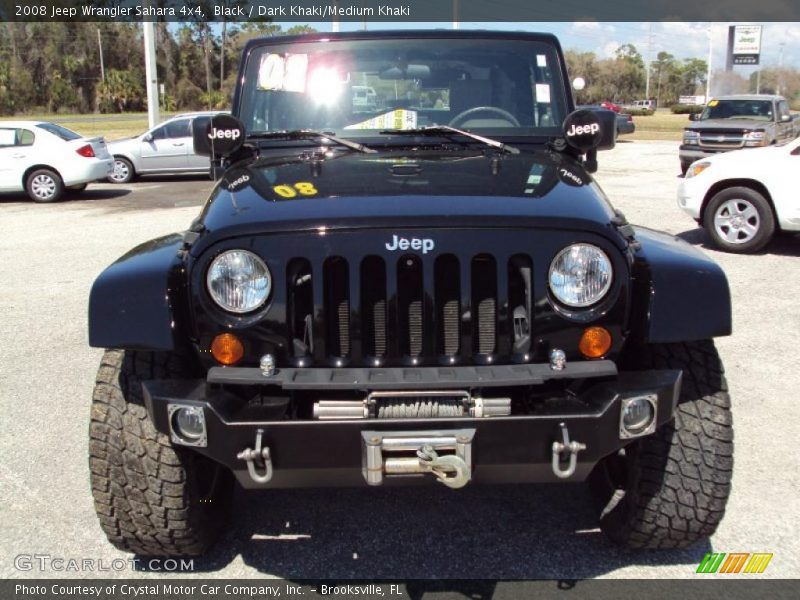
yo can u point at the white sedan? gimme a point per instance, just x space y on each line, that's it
43 159
742 198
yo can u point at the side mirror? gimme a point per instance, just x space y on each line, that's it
219 136
694 116
148 137
786 118
587 130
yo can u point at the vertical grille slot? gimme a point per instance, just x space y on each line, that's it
520 293
484 303
337 306
373 305
447 305
409 309
300 307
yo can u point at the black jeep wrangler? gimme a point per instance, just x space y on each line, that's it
424 287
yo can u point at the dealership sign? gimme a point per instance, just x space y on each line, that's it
746 44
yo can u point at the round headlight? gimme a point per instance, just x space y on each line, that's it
238 281
580 275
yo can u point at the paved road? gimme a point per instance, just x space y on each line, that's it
49 256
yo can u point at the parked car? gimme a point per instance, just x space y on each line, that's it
611 106
625 124
165 149
442 294
43 159
734 122
641 105
742 198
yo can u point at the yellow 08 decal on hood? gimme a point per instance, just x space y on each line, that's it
304 188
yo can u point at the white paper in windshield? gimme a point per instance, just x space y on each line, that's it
7 137
394 119
543 93
285 73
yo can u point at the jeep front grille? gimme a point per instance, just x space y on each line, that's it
411 310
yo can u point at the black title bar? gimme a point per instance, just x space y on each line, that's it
371 11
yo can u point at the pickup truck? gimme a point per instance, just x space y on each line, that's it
733 122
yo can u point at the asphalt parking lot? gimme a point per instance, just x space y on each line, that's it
49 256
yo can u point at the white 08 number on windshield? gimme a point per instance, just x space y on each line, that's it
304 188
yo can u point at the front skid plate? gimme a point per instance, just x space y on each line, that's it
504 449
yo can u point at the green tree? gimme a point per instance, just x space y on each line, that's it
121 91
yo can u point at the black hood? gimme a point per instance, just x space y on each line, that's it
412 188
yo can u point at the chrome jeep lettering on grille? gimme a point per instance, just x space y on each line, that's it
401 243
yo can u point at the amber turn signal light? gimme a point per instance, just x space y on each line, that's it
595 342
227 349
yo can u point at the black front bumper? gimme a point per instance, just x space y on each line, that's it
307 453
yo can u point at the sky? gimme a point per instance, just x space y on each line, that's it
681 39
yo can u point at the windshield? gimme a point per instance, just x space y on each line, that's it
759 110
358 88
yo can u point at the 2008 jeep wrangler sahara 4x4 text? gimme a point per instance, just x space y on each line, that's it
428 287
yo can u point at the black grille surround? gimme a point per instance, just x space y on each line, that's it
343 299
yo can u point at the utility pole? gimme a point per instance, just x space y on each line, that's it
151 75
102 66
710 58
780 68
647 62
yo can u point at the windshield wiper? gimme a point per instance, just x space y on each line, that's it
447 131
309 134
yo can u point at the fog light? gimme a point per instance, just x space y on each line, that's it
638 416
227 349
595 342
187 425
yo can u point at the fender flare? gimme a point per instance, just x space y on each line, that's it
679 293
135 303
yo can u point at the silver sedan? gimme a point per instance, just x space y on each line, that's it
164 149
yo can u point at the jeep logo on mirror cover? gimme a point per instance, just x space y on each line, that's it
583 129
228 134
401 243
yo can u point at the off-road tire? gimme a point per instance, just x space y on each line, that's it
151 498
669 489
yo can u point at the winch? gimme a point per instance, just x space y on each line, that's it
413 405
409 453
